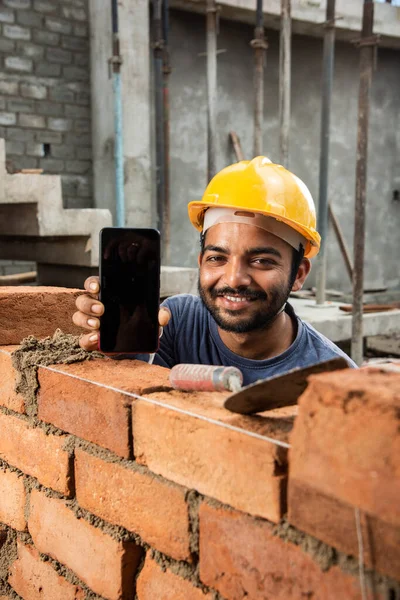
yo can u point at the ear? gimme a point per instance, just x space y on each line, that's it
302 273
199 259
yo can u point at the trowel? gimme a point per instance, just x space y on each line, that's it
266 394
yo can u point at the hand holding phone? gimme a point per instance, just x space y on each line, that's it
89 309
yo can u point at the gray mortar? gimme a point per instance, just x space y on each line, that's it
48 428
69 445
25 538
8 554
61 348
194 500
187 571
118 533
9 592
178 567
323 555
29 485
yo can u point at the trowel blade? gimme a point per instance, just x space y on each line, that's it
278 391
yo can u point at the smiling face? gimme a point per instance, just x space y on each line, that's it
245 276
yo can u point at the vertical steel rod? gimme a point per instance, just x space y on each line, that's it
159 113
166 73
367 44
115 63
260 45
327 81
285 62
212 19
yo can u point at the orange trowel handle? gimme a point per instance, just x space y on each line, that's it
205 378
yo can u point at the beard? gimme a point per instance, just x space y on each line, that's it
232 321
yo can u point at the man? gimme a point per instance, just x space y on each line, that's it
257 224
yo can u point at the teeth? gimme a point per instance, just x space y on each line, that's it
235 299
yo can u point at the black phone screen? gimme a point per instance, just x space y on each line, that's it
130 290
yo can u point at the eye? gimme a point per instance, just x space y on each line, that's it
264 262
216 259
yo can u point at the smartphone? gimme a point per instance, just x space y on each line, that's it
129 290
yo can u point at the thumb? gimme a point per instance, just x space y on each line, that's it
164 316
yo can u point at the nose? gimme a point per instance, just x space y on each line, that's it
236 273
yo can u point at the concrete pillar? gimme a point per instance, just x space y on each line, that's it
102 106
135 74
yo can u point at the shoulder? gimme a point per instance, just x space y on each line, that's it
183 302
186 306
322 346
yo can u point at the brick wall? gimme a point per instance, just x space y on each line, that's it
169 497
45 91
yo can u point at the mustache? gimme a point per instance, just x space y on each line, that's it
242 292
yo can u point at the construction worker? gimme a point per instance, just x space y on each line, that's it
257 223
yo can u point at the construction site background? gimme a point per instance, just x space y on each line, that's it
54 53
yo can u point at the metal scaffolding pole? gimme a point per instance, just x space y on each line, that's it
285 61
260 46
327 81
159 113
367 45
212 29
115 64
166 73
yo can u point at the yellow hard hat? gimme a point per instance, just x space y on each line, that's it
260 186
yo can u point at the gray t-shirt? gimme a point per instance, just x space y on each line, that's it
192 337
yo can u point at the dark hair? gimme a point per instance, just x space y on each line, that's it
297 257
202 242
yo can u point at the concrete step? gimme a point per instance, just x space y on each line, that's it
33 219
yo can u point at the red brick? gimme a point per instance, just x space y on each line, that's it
8 395
245 472
72 398
34 579
242 559
35 453
154 509
154 583
12 500
37 311
107 566
345 447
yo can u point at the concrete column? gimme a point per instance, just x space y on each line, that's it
102 106
133 16
135 73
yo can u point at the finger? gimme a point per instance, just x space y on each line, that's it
90 307
87 322
164 316
89 341
92 285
